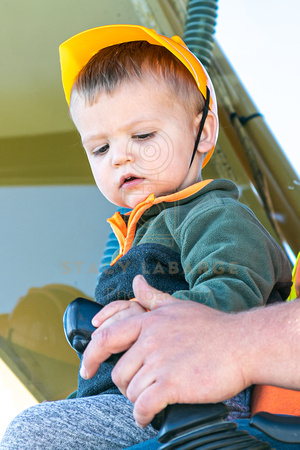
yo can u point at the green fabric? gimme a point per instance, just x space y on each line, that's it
72 395
231 261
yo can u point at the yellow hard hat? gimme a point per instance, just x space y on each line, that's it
79 49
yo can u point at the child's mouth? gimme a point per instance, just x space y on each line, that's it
131 181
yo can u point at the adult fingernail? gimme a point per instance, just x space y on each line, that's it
83 372
95 322
140 425
140 277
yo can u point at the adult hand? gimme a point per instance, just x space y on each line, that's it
179 352
114 312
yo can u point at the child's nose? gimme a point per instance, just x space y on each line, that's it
122 156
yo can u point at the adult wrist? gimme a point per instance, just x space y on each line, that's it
272 334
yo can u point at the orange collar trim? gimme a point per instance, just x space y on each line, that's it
125 233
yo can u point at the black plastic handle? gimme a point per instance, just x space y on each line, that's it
283 428
78 326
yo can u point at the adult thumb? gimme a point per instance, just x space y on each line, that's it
149 297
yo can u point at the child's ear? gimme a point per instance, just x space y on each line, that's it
208 135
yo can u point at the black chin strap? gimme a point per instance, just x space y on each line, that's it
203 118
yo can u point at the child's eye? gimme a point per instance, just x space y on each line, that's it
143 137
100 150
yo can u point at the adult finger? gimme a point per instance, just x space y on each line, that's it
134 373
108 311
110 340
127 367
149 403
149 297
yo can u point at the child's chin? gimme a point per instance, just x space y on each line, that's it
135 200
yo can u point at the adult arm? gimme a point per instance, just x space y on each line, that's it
185 352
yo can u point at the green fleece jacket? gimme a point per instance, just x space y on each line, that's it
208 242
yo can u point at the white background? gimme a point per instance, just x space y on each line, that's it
261 40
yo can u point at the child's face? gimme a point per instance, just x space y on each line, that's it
139 140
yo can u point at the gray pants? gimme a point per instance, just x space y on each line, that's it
99 422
